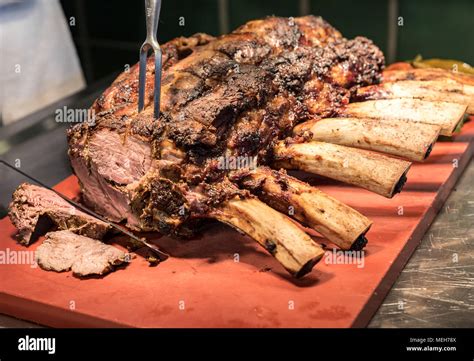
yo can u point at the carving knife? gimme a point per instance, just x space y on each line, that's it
161 255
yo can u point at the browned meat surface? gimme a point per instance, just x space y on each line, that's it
34 209
124 90
235 95
63 251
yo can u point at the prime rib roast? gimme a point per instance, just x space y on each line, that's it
240 109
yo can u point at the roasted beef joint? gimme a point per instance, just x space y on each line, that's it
240 97
239 109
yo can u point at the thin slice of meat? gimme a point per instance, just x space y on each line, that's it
64 251
34 210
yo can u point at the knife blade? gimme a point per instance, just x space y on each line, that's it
162 255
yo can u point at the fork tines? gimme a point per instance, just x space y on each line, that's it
142 78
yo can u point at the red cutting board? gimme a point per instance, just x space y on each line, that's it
202 285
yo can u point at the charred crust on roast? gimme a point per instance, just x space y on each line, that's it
217 194
236 95
160 194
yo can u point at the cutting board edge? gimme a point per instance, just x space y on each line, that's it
381 291
39 312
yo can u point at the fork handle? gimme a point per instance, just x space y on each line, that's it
152 14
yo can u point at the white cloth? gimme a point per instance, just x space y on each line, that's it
38 60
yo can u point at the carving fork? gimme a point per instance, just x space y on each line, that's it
152 14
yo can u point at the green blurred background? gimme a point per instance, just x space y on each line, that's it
109 33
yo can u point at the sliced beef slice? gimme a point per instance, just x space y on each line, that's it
64 251
34 209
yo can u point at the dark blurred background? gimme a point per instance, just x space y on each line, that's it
109 33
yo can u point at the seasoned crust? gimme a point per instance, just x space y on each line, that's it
235 95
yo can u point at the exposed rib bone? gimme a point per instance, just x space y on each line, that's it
435 90
446 115
375 172
410 140
428 74
339 223
283 239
